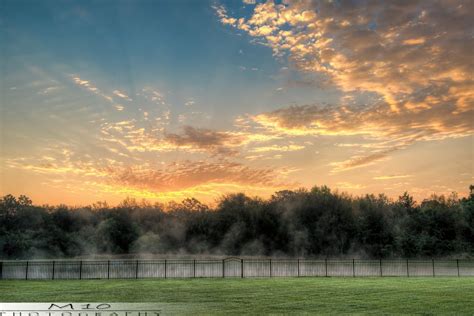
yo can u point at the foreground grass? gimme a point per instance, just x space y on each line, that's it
263 296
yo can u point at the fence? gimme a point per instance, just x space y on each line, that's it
230 268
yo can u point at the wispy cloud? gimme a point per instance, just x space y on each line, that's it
89 86
86 84
360 161
190 102
122 95
284 148
394 176
349 186
49 90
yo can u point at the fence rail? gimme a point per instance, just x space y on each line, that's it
230 268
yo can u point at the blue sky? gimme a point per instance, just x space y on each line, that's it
179 45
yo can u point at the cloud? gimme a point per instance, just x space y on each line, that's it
414 60
283 148
349 186
375 46
49 90
63 162
360 161
133 136
188 174
414 41
174 180
376 121
206 139
86 84
223 16
190 102
385 132
150 135
393 176
121 95
153 95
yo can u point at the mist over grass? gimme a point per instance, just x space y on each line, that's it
302 223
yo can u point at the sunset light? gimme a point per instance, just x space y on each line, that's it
171 100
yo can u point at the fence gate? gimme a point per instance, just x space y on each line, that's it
233 267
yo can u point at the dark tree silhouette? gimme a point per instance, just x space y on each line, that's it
312 223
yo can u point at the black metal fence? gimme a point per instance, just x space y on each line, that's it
230 268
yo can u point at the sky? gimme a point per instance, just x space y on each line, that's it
167 100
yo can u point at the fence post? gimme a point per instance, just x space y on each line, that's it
270 268
54 262
408 270
381 273
353 268
242 268
26 272
326 265
194 268
432 260
457 264
223 268
136 270
108 269
298 267
165 268
80 270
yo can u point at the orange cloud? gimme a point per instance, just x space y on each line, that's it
188 174
203 179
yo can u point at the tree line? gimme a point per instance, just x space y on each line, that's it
303 223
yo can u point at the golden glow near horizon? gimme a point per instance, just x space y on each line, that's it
258 98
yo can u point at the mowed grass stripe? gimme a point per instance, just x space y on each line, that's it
257 296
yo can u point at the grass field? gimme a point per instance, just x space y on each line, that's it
263 296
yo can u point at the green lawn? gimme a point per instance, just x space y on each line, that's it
257 296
